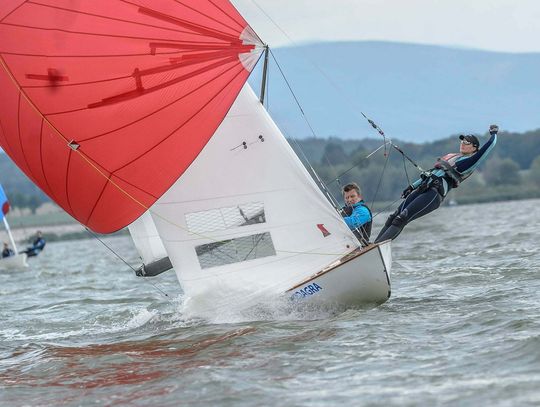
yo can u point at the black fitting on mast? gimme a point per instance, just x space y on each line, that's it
265 71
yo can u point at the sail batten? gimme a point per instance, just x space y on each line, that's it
125 88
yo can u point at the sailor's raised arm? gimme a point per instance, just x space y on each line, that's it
474 160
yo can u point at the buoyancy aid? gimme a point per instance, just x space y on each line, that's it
447 163
363 232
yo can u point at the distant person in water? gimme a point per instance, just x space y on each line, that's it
7 252
37 245
356 214
426 194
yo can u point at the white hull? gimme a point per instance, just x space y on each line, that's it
362 277
13 262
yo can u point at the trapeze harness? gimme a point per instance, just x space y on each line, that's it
431 189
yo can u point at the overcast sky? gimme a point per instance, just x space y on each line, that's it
499 25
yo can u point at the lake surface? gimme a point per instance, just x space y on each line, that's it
462 328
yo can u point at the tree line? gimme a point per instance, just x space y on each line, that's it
511 172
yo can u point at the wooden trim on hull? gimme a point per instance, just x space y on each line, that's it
345 259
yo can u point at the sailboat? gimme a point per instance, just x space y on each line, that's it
129 115
17 260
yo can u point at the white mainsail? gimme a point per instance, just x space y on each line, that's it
246 218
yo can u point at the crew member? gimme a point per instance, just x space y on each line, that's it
426 194
37 245
356 214
7 251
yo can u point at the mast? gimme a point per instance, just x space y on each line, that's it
265 72
6 224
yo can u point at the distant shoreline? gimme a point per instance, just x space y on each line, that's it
69 229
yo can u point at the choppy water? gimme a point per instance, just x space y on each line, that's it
462 328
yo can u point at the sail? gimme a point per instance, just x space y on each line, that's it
146 239
4 203
246 218
4 209
106 103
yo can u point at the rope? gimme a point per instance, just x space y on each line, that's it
380 180
124 261
356 164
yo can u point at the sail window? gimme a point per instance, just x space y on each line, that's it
235 250
226 218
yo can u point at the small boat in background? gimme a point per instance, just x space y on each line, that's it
16 260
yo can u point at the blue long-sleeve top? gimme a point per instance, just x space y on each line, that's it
465 165
359 216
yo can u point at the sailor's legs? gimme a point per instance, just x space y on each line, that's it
415 206
412 196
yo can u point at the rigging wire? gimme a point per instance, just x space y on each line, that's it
380 180
355 165
381 132
330 196
303 115
93 234
339 89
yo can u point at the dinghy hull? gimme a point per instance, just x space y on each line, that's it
14 262
362 277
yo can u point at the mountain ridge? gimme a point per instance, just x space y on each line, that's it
415 92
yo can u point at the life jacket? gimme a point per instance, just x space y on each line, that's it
363 232
447 163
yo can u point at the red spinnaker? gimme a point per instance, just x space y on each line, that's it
105 103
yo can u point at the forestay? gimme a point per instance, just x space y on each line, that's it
246 218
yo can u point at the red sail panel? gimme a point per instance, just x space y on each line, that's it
105 103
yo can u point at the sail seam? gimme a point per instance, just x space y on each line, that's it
188 43
185 122
227 14
212 18
99 16
51 192
210 57
67 182
132 185
98 199
13 11
19 135
4 133
196 28
94 34
147 91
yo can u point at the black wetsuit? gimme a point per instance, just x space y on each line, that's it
36 247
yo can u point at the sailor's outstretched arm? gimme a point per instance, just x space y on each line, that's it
470 163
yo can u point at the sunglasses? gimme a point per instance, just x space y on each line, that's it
465 142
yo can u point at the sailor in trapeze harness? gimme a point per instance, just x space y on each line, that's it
426 194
